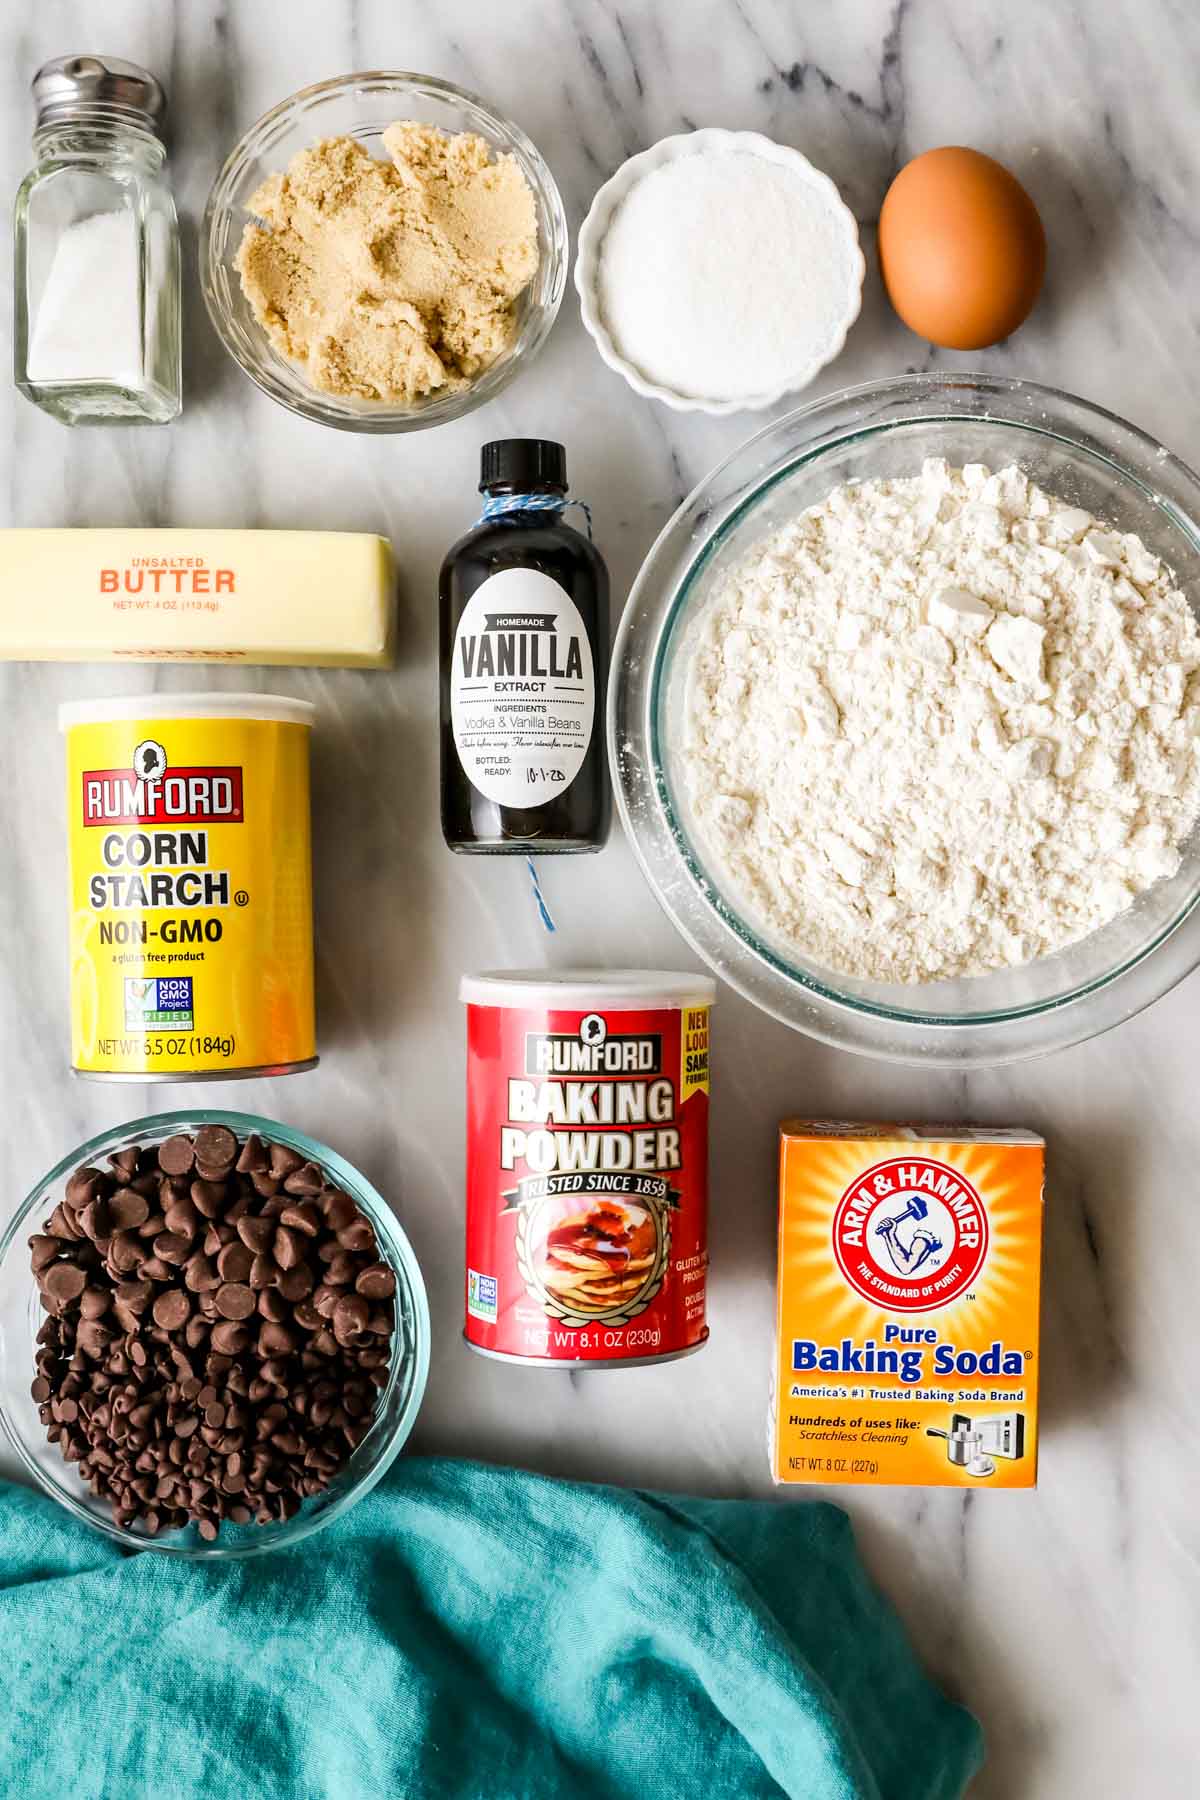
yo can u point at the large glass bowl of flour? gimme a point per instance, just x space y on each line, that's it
1074 451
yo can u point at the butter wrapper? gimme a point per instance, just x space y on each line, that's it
321 598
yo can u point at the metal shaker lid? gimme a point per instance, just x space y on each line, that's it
77 87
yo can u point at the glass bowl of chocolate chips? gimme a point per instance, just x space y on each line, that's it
214 1336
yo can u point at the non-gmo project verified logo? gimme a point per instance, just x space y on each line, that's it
481 1296
162 1001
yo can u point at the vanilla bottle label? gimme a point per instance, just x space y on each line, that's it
522 689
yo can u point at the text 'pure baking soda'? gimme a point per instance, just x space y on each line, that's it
587 1165
908 1297
191 946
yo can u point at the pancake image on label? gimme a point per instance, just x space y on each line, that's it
599 1257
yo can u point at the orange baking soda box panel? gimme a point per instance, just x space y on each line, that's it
908 1298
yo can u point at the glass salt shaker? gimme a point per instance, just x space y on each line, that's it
96 252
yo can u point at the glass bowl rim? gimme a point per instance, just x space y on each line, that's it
399 1252
930 397
292 393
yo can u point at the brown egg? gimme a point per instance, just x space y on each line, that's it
961 248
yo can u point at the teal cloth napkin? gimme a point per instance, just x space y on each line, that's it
471 1632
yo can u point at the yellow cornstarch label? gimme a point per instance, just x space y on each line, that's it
191 896
693 1074
908 1302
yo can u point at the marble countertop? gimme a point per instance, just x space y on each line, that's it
1068 1618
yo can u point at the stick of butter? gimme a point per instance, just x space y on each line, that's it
325 598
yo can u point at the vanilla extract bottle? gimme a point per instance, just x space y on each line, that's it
524 659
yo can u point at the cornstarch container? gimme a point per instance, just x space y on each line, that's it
191 944
908 1305
587 1165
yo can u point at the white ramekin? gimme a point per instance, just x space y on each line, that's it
605 204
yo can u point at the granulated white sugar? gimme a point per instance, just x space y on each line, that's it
725 275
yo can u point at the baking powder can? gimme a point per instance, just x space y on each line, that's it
587 1165
191 939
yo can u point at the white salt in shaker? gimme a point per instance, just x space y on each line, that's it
97 249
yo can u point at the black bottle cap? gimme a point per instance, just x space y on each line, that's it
523 466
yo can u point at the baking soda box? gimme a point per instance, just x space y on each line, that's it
908 1294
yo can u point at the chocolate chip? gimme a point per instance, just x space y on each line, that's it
359 1234
171 1309
276 1340
272 1305
217 1146
43 1251
296 1284
229 1337
341 1269
94 1302
307 1179
64 1282
350 1316
125 1252
303 1217
177 1155
324 1300
183 1217
376 1282
257 1234
211 1171
254 1155
199 1275
208 1197
127 1209
84 1185
286 1249
61 1224
94 1219
235 1300
282 1160
235 1262
171 1247
93 1338
338 1208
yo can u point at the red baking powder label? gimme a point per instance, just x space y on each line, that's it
587 1182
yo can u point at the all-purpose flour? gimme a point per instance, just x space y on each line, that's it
941 725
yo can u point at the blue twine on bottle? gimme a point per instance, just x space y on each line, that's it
543 910
499 506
